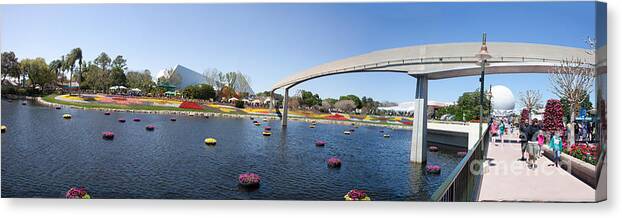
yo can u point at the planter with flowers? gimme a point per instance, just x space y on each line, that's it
77 193
356 195
249 180
433 169
333 162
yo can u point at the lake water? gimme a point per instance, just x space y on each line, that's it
43 155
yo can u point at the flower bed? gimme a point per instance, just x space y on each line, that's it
356 195
320 143
582 151
150 127
336 117
249 179
190 105
77 193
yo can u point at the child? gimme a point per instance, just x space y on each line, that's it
540 141
556 146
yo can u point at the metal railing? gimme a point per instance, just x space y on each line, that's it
463 184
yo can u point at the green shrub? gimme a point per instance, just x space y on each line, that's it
239 104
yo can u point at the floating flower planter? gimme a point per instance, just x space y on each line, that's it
256 123
3 128
433 148
386 136
108 135
433 169
67 116
173 119
461 153
267 128
356 195
121 120
347 132
106 113
320 143
210 141
77 193
136 119
249 180
150 127
266 133
333 162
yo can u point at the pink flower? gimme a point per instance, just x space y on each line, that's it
249 179
355 194
334 162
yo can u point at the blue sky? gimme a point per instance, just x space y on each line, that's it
271 41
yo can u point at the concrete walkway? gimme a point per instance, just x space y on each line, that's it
506 178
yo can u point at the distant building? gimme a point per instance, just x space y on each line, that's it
188 77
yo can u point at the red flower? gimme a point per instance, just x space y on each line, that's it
190 105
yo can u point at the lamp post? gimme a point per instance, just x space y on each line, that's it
482 57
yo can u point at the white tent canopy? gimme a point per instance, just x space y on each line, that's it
117 87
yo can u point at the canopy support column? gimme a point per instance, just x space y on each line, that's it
419 143
285 107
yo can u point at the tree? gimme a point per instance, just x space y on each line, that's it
572 80
56 66
38 72
354 98
73 56
170 77
467 107
553 116
117 74
95 78
345 106
524 116
103 61
586 103
139 80
369 105
200 91
530 99
309 99
238 81
10 65
327 105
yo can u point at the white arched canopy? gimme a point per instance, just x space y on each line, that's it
439 61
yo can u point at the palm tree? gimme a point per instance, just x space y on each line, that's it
73 56
56 66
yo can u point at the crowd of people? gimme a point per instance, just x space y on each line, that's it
532 138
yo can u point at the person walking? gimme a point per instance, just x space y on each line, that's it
494 128
556 146
540 142
501 131
523 132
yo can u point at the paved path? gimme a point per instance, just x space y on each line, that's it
506 178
